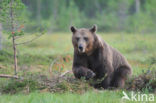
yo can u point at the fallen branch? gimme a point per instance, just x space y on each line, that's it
8 76
30 40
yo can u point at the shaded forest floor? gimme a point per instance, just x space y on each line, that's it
43 61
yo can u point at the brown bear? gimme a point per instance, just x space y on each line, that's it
94 58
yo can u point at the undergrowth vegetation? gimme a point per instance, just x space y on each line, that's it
45 65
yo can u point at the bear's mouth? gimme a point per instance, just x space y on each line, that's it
81 49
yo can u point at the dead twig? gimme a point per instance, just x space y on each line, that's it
51 65
19 37
63 74
30 40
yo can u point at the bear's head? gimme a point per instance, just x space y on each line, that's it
85 40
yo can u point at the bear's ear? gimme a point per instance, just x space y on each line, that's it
73 29
93 29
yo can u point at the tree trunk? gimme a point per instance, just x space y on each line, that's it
13 36
0 36
137 6
39 11
55 7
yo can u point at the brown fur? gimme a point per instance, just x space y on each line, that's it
98 60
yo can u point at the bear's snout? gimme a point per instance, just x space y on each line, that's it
81 48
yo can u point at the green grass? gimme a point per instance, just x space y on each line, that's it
89 97
37 56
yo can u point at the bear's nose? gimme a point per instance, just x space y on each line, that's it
80 48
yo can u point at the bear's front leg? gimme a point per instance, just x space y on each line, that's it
83 72
106 82
108 76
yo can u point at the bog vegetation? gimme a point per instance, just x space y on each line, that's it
44 64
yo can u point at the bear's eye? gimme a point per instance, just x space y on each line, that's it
85 38
77 38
